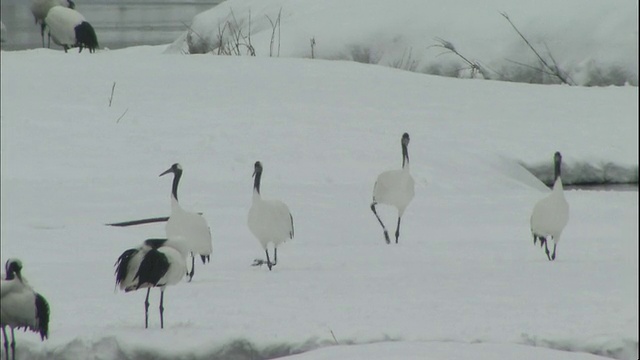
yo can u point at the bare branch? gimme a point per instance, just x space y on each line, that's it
112 90
554 70
121 116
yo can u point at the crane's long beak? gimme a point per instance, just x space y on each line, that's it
166 172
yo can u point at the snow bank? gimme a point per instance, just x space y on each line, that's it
594 43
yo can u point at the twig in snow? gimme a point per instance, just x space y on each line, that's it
112 90
334 337
121 116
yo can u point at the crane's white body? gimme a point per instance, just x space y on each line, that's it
551 214
190 226
62 22
40 8
176 254
269 221
395 188
20 306
17 304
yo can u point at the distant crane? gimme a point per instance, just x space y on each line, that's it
270 221
395 188
551 213
190 226
21 306
157 263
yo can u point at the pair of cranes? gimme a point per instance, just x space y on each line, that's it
67 27
162 262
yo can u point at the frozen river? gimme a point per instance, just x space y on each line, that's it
118 23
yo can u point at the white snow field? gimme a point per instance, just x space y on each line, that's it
465 281
592 43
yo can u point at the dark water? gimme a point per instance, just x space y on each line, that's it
118 23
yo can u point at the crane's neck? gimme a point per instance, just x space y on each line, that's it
557 169
405 157
256 184
10 275
174 188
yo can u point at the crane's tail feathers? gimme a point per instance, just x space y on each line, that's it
205 258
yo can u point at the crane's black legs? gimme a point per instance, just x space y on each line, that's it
269 264
260 262
13 346
146 309
42 26
6 341
193 266
398 230
546 250
553 256
386 234
161 309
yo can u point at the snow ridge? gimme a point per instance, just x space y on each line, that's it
586 173
239 349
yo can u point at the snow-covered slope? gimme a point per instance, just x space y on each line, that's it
594 43
465 278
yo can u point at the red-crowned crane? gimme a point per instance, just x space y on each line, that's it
269 220
395 188
190 226
21 306
157 263
551 213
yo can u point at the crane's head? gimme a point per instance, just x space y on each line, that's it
257 168
405 139
557 157
175 169
13 268
71 4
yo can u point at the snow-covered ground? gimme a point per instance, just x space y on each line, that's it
464 282
594 43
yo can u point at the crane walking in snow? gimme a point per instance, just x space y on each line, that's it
20 306
395 188
190 226
270 221
157 263
551 214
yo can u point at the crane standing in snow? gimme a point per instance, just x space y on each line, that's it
270 221
190 226
395 188
68 28
157 263
20 306
40 9
551 214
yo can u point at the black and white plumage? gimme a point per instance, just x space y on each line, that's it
270 221
40 9
68 28
551 214
395 188
157 263
21 306
190 226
